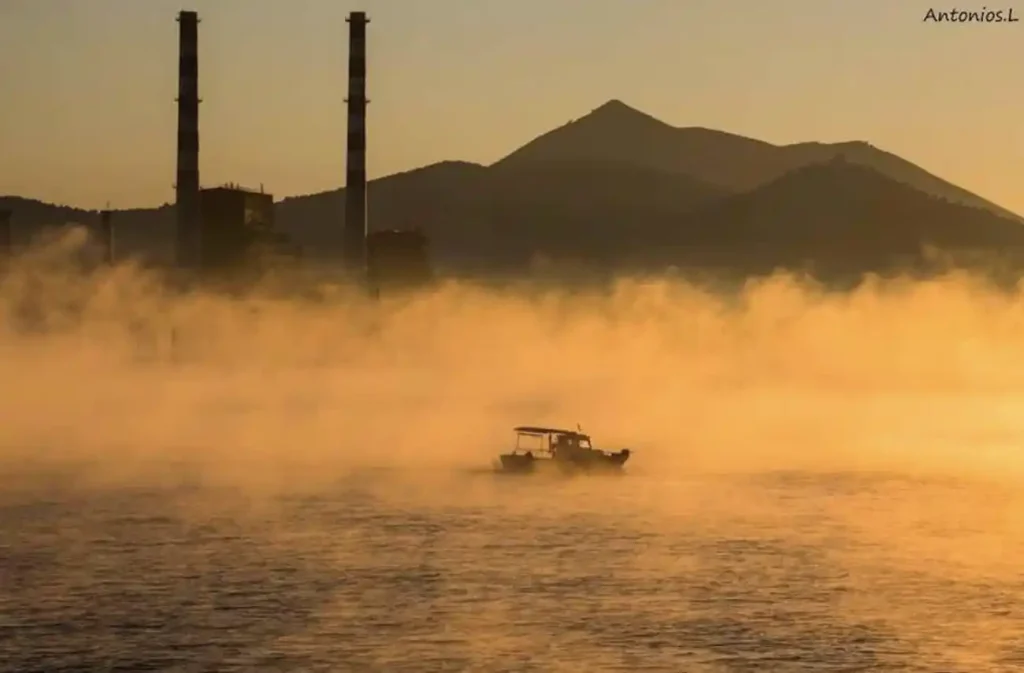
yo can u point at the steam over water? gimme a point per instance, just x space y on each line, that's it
820 481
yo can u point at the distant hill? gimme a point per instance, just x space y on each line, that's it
842 215
147 232
620 188
479 216
428 197
617 132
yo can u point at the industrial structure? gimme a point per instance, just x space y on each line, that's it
107 236
228 227
354 236
237 229
188 244
6 234
219 228
397 259
389 259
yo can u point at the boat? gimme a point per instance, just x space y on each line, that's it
566 450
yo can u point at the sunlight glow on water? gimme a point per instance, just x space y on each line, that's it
773 571
820 481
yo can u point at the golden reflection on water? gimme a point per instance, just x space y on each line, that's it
820 481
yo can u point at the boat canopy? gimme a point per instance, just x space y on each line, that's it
534 430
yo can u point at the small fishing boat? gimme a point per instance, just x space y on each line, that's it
565 450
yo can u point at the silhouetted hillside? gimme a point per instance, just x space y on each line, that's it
142 232
617 132
620 188
596 184
431 197
582 210
32 213
484 216
842 215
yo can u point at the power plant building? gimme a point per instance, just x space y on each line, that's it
397 258
237 228
228 227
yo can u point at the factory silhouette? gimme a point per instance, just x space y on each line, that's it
615 189
229 229
219 228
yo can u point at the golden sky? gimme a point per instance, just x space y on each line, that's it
88 115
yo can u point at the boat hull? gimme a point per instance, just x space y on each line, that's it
525 463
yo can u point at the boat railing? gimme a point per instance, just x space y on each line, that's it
542 451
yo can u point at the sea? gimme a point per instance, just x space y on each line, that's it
462 569
819 482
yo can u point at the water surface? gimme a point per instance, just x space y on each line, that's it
465 571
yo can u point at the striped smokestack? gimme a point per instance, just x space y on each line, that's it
107 236
187 185
354 237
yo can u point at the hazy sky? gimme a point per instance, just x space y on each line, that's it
88 113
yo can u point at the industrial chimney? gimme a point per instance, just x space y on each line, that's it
354 236
107 236
188 239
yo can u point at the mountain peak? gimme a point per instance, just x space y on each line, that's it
614 105
616 112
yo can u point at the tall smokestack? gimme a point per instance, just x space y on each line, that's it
107 236
354 237
187 186
6 237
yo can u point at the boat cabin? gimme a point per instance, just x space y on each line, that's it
548 442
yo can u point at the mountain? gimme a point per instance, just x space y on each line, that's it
842 215
618 188
428 197
146 232
617 132
482 217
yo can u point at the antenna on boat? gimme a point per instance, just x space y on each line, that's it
578 428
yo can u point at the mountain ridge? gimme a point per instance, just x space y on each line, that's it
730 160
605 188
